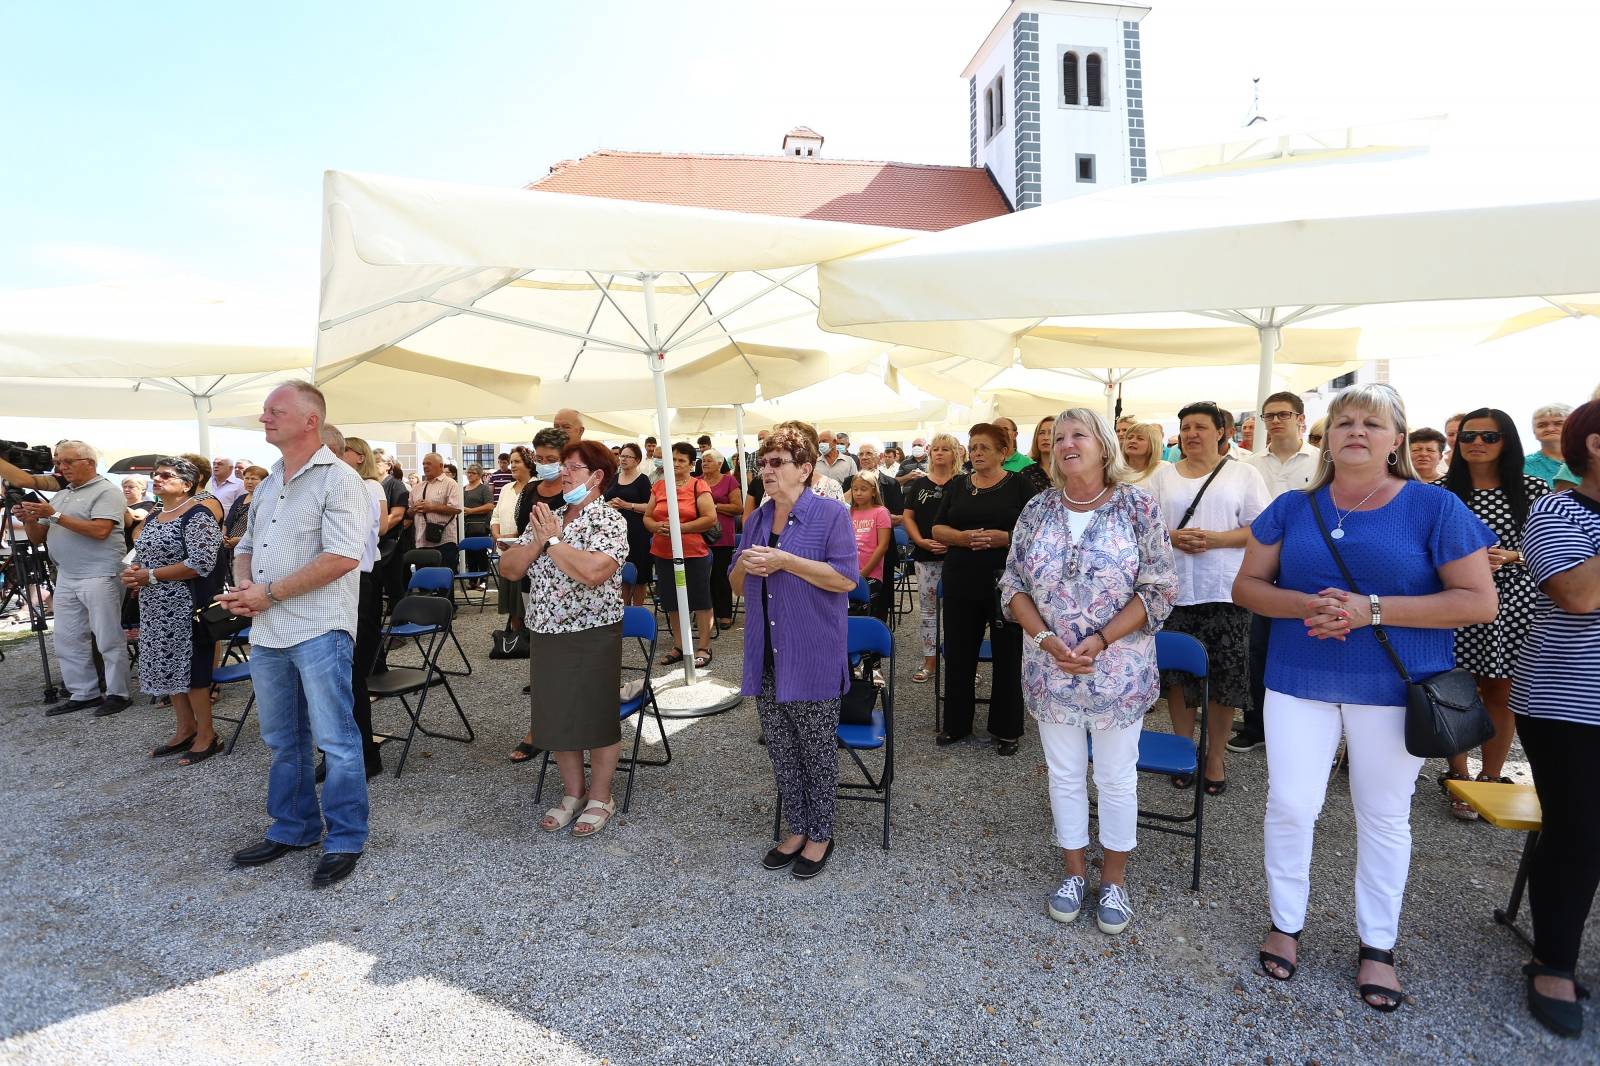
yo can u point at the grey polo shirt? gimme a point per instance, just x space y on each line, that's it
323 508
75 554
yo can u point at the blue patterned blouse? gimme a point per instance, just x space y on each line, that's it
1078 587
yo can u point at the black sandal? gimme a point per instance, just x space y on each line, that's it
1392 997
172 749
1215 788
1557 1015
192 757
1267 958
672 658
1182 780
698 664
523 752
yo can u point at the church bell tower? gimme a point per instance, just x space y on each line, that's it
1056 100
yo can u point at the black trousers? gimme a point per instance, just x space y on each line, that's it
478 558
721 591
369 629
449 555
1260 634
1566 862
965 619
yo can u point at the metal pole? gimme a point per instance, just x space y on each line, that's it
461 465
202 417
1269 349
738 442
680 580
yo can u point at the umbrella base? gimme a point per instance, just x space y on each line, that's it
702 699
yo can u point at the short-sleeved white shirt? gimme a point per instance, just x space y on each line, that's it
1234 499
1282 475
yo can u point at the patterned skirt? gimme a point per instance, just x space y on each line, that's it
1224 629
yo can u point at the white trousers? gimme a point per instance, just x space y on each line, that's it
1116 777
1302 739
84 607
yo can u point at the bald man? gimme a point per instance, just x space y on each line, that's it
435 504
569 422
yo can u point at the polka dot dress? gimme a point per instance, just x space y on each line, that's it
1490 649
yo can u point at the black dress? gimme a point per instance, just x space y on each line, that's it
635 491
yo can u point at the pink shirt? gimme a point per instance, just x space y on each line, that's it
866 524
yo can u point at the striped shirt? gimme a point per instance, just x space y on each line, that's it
1555 673
324 509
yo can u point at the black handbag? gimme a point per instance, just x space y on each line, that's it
510 644
855 708
216 623
1445 715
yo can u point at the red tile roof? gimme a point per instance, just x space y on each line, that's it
905 195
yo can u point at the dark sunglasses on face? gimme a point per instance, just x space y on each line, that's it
773 463
1488 436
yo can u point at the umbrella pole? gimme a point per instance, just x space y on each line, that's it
738 442
202 418
1269 349
680 580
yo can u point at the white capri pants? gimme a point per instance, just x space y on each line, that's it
1116 777
1302 739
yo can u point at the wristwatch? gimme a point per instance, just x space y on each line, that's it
551 541
150 576
1040 637
1377 609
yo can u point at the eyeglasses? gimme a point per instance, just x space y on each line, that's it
573 468
69 462
1488 436
773 463
1278 416
164 475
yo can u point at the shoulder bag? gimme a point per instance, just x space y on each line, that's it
510 644
1197 496
1445 715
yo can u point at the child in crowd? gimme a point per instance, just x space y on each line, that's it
874 533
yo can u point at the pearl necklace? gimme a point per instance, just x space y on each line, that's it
173 510
1090 500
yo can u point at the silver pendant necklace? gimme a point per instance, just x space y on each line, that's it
1338 531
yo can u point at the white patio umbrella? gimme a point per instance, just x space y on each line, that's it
1412 253
603 300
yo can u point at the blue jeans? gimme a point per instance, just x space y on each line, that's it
304 695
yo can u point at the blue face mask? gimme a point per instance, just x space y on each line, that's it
576 495
546 471
825 446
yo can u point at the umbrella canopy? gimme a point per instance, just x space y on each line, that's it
604 301
1466 249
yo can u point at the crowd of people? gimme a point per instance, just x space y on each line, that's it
1307 561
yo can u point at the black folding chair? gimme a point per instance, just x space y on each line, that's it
640 624
432 615
433 582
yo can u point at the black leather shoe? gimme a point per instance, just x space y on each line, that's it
944 740
72 705
265 852
1557 1015
780 860
804 869
112 705
375 770
334 867
322 770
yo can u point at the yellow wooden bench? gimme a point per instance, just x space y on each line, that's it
1506 807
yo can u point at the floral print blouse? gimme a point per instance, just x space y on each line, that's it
1078 587
557 603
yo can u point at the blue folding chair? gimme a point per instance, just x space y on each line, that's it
234 669
904 578
431 581
866 636
466 577
638 623
985 655
1171 755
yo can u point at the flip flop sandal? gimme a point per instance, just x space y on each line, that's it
921 676
562 814
702 659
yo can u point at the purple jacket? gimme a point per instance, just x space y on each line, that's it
807 624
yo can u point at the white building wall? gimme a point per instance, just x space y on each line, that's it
998 153
1065 132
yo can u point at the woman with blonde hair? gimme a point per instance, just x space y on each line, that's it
1039 450
1141 451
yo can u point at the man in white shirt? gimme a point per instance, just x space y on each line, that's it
1227 445
225 485
1287 463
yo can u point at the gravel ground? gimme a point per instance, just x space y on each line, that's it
466 935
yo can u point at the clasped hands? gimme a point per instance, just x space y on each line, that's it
1192 541
1078 660
1333 613
247 599
982 539
762 561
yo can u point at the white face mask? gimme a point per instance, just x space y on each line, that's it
918 451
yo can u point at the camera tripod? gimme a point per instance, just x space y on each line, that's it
26 576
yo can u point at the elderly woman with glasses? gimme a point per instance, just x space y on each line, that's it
795 564
574 618
174 573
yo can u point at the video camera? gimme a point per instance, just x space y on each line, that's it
38 459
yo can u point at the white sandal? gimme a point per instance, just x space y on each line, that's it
595 817
562 815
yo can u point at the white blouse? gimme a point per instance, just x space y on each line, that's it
1234 499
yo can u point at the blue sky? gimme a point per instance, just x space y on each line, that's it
191 137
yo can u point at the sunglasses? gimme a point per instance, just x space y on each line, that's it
1487 436
773 463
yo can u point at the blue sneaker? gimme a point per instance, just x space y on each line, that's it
1114 911
1067 901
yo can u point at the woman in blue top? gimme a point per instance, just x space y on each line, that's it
1421 563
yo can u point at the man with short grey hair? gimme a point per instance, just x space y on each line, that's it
832 459
569 422
225 485
295 579
81 527
1548 422
435 504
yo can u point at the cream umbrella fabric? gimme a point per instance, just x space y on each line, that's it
1467 248
603 300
